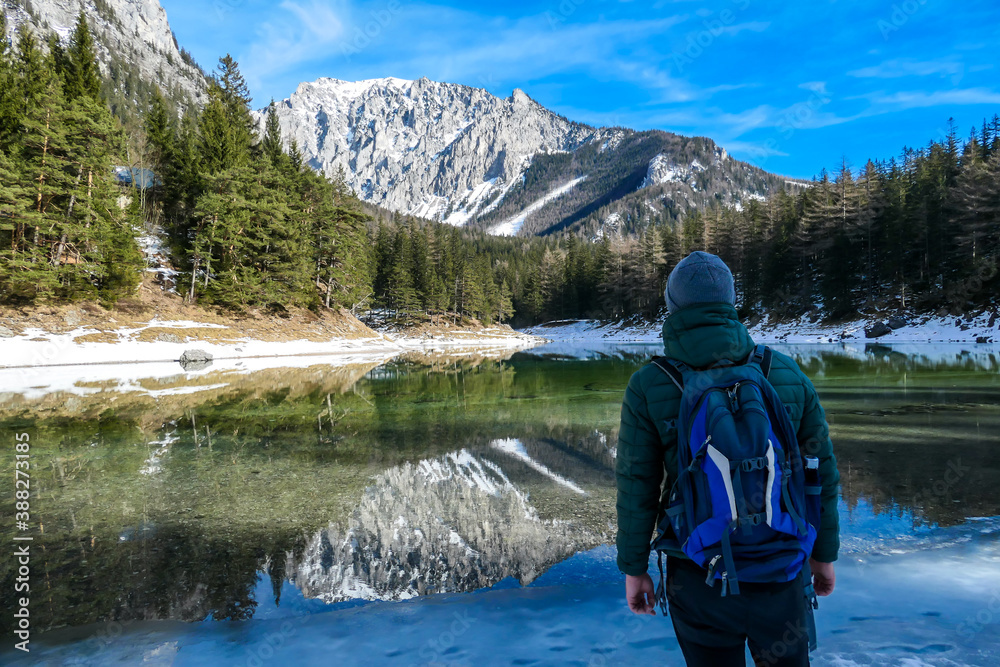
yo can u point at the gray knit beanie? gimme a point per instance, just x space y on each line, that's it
699 278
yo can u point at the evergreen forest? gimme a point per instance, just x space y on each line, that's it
251 225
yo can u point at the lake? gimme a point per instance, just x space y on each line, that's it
191 517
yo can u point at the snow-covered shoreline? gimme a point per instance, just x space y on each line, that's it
983 328
37 362
36 347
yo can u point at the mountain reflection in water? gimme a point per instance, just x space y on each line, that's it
388 482
449 524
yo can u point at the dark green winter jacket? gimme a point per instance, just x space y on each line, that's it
699 336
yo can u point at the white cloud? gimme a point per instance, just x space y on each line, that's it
900 67
818 87
301 32
752 26
475 50
921 99
752 149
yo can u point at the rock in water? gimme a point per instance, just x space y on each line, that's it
877 330
896 323
195 360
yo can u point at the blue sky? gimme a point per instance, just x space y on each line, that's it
792 87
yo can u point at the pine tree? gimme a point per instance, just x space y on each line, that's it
552 278
420 266
160 127
505 303
340 242
10 110
533 301
186 169
870 209
236 99
82 73
227 133
271 144
58 60
472 294
976 200
401 296
813 240
838 252
31 73
68 238
219 150
221 248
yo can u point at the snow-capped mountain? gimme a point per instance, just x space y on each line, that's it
133 39
434 150
461 155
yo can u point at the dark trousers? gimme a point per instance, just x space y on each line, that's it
713 631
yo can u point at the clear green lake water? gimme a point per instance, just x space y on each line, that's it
321 486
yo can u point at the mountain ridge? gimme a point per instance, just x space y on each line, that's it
461 155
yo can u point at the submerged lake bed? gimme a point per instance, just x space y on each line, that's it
461 510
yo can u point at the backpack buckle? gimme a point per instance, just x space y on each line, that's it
710 579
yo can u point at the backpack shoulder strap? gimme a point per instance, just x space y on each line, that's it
673 370
762 357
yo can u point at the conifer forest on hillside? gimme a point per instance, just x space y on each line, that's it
250 225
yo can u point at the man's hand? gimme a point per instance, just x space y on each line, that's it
640 594
823 577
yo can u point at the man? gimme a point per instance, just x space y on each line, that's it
702 328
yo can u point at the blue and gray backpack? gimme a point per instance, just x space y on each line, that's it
741 506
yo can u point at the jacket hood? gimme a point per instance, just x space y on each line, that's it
702 334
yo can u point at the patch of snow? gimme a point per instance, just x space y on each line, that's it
431 207
514 447
511 226
181 391
919 329
663 169
611 141
57 363
523 165
353 89
931 339
471 200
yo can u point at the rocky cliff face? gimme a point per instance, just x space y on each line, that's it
435 150
508 165
134 42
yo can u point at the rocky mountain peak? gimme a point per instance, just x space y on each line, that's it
135 45
437 150
461 155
